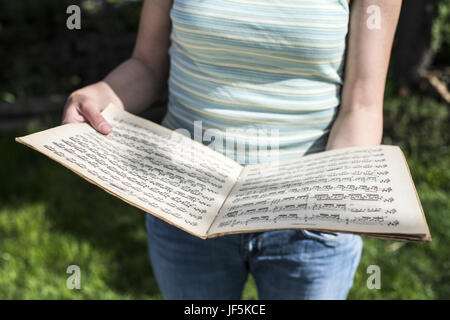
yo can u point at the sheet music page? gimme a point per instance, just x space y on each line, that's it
360 189
151 167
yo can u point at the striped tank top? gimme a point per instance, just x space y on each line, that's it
254 78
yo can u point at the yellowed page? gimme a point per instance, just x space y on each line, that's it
360 190
151 167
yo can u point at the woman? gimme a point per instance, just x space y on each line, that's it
260 64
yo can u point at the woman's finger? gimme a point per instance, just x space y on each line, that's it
71 115
92 113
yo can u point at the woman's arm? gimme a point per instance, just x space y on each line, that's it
135 83
360 118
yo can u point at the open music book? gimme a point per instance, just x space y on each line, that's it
362 190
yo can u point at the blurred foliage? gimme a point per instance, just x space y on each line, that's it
46 19
418 124
44 228
47 227
441 33
39 45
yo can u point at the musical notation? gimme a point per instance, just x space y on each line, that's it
367 190
352 188
152 168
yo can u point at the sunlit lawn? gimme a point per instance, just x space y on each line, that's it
50 218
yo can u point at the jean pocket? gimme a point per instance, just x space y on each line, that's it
329 238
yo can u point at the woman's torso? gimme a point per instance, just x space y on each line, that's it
272 69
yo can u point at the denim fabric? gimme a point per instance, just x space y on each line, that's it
286 264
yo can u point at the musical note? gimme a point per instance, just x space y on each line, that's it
346 189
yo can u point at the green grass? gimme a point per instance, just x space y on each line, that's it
50 218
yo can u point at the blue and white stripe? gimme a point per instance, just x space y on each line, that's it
263 64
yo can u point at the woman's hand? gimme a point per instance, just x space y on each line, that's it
86 105
137 82
357 127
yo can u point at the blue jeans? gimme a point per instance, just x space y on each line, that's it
286 264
